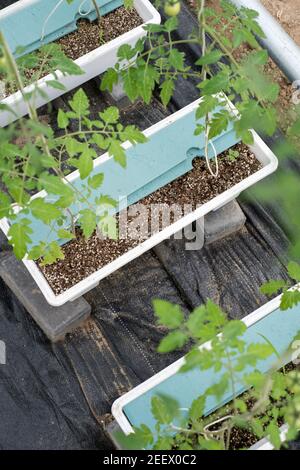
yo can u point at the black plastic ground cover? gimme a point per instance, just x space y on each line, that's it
6 3
58 396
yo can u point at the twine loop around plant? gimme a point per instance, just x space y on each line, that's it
210 142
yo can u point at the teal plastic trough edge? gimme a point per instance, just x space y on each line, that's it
93 64
33 23
260 149
280 327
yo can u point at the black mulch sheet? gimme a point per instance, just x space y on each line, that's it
58 396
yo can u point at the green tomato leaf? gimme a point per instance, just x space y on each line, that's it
168 314
19 237
96 181
88 222
62 119
294 270
174 340
273 286
43 210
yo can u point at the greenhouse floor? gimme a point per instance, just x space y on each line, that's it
59 396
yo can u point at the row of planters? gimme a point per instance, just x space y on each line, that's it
62 205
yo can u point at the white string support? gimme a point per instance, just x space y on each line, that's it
59 3
85 13
49 17
207 142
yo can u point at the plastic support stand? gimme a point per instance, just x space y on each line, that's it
55 322
223 222
112 429
117 97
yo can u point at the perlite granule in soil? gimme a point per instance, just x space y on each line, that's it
84 257
88 36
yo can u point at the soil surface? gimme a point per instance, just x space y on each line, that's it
287 12
89 36
82 258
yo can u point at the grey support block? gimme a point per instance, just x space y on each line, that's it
117 97
223 222
54 321
112 429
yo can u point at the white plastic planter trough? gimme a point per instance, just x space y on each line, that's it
93 64
134 408
282 48
167 155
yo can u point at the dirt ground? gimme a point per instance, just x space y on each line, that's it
288 13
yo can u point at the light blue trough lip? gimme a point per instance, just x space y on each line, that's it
168 154
279 327
24 26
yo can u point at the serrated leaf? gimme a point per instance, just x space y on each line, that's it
44 210
80 103
247 137
110 115
88 222
176 59
164 409
50 253
171 24
65 234
126 52
273 286
130 82
216 84
210 58
19 237
137 440
274 435
85 164
261 350
117 152
106 201
197 408
234 329
54 185
5 205
168 314
109 79
290 299
62 119
134 135
96 181
174 340
207 105
109 226
73 146
56 85
218 124
166 91
294 270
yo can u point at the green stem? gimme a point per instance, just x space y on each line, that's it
97 8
